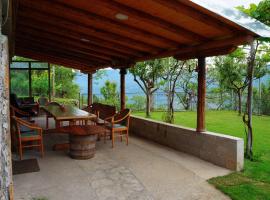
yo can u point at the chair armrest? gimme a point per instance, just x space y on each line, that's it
28 124
120 120
21 112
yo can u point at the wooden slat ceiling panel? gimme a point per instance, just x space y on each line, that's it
87 35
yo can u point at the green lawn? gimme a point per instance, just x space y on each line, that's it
253 183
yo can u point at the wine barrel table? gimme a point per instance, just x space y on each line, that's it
82 140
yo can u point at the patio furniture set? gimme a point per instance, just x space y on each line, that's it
84 126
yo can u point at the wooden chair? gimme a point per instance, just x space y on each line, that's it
117 126
21 114
26 139
48 115
42 101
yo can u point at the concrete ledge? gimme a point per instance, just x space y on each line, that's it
222 150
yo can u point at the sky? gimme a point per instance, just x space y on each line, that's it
245 3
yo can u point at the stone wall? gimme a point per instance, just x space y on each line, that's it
221 150
5 153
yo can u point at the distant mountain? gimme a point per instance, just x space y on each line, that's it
111 75
131 85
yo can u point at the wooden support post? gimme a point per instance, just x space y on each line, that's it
201 94
123 72
90 88
49 82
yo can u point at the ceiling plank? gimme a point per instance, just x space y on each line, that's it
71 13
56 52
143 17
23 39
197 15
68 43
51 59
77 31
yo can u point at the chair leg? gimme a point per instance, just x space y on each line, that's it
127 137
20 151
112 138
121 136
41 148
47 122
104 137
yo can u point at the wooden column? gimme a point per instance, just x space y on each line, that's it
49 82
201 95
90 88
123 72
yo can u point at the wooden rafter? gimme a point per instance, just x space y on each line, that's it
69 44
77 30
71 13
145 17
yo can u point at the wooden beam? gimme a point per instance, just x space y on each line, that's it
76 31
123 72
201 95
178 6
61 46
67 62
218 43
144 17
59 40
61 53
207 53
71 13
90 88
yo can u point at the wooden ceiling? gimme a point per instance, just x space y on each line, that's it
87 35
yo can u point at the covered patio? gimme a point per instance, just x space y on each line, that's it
143 170
91 35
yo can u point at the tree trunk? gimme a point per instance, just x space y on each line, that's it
239 93
248 121
152 102
148 104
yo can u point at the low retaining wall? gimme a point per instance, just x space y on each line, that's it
222 150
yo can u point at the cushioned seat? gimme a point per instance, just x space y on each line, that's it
116 126
30 134
25 129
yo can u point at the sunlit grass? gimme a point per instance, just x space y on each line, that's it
253 183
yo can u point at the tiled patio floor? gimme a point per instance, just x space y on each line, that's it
142 170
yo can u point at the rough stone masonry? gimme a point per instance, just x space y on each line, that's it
5 151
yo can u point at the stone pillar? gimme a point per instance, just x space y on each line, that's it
201 95
90 88
123 72
5 143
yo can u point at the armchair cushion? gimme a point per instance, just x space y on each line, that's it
115 126
25 129
30 134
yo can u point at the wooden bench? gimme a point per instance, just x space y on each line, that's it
102 111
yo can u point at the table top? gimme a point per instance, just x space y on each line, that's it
68 112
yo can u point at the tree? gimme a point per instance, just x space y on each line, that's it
232 73
64 85
147 75
138 103
187 85
260 12
172 69
110 94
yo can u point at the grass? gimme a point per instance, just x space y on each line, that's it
253 183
